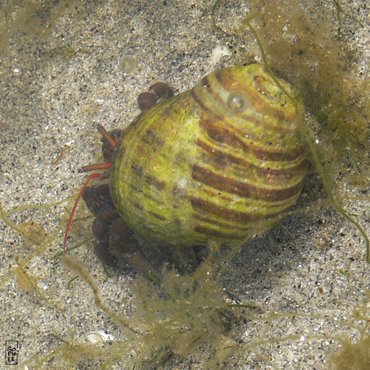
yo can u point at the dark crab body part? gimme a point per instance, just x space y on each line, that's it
220 162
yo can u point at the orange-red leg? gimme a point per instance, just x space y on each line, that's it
92 167
96 167
69 223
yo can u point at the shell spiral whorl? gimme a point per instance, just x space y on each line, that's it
220 162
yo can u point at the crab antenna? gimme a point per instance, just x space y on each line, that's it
107 136
70 219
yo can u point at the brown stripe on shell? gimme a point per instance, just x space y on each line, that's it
146 195
277 154
218 133
241 189
199 100
267 151
150 180
218 194
215 233
157 216
150 138
135 188
138 206
281 130
202 217
222 158
207 207
149 134
205 82
137 170
150 197
160 185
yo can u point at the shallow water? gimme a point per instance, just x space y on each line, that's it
66 68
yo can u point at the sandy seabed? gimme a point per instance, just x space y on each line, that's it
66 68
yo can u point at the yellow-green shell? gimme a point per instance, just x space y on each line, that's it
220 162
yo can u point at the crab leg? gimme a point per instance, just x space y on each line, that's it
107 136
70 219
96 167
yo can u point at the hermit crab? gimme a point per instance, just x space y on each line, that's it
218 163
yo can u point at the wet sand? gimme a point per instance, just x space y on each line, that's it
67 68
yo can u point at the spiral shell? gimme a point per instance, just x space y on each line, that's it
220 162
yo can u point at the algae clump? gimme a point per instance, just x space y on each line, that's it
352 356
355 354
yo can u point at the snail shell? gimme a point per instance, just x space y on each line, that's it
220 162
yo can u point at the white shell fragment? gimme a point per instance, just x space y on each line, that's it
98 336
218 52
